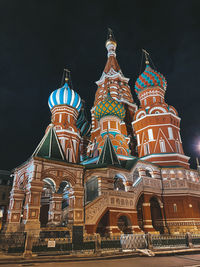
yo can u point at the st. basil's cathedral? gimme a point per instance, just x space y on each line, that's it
126 172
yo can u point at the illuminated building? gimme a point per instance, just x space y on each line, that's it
93 179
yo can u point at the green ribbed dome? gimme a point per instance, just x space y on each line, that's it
109 106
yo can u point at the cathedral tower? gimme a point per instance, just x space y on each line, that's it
65 105
116 83
157 124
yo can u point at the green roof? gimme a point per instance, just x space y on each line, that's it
108 154
49 147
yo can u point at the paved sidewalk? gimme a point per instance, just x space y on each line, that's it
19 259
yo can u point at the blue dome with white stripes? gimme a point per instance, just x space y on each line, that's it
65 96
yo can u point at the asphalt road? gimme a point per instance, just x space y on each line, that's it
170 261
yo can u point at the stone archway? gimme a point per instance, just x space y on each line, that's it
49 188
124 224
140 212
103 224
156 215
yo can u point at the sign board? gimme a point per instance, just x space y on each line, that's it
51 244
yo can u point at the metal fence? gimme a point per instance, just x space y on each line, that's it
13 243
195 240
43 244
168 241
113 243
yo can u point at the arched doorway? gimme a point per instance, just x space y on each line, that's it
156 215
49 188
65 189
140 212
102 225
124 224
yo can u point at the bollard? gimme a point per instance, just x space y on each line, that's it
28 246
188 238
149 240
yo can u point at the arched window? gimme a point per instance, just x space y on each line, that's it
147 172
119 185
119 182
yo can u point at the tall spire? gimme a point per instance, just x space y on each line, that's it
111 44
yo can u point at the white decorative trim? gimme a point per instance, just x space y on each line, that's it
160 114
169 161
165 155
157 108
139 113
156 125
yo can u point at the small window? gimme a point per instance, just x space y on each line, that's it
138 139
179 137
145 102
154 99
150 133
170 132
175 207
177 146
146 149
162 146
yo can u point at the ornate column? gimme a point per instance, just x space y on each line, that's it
78 206
55 209
134 220
112 227
163 218
13 223
31 215
146 210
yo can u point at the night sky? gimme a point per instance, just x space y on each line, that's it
40 38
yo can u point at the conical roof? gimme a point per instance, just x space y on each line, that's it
108 154
49 147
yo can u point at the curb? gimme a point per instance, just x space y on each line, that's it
93 257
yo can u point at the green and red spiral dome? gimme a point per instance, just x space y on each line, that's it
150 78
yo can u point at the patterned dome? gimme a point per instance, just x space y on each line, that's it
109 106
150 78
65 96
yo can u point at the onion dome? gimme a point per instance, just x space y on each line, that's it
82 123
150 78
109 106
65 96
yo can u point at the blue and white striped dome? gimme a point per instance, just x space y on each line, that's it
65 96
